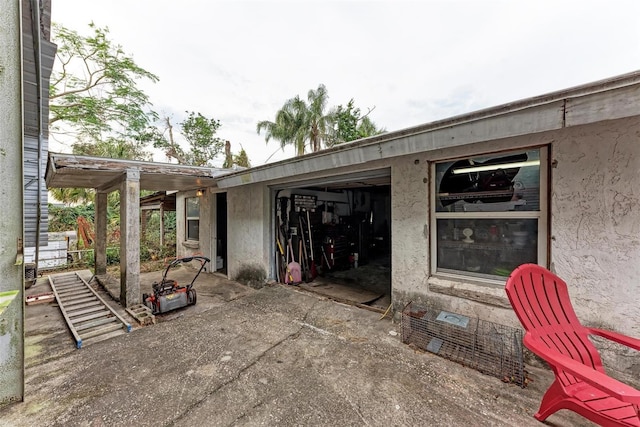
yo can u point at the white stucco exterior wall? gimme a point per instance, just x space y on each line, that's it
409 228
595 232
412 279
594 221
205 233
595 207
249 230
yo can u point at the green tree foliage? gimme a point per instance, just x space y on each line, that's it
240 159
199 132
73 196
94 95
150 241
113 148
65 218
318 122
350 124
300 122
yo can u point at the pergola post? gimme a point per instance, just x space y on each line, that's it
143 224
100 254
162 224
130 239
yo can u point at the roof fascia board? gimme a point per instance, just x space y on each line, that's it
360 175
572 107
532 120
610 105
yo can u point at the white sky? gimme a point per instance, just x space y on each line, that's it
415 62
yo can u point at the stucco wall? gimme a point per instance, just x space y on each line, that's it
596 222
409 227
410 253
595 229
594 218
412 279
205 234
248 234
595 232
11 200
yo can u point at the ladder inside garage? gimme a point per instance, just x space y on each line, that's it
88 316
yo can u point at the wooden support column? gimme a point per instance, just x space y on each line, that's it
100 253
144 215
162 224
130 239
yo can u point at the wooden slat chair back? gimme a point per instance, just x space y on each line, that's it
541 301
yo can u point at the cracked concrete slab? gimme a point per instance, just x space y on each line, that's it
276 356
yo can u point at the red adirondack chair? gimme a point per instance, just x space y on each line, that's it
541 301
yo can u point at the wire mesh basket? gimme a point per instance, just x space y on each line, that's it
488 347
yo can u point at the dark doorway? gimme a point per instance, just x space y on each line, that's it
221 232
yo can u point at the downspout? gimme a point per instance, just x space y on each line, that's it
37 53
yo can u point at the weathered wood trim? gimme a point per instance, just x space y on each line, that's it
111 185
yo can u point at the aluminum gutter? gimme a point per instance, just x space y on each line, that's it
569 107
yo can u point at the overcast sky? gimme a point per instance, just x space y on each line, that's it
415 62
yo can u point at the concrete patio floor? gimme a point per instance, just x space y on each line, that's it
274 356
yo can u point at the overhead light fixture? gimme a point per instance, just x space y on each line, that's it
485 168
199 192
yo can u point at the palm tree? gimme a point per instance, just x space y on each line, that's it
299 122
319 122
83 196
73 196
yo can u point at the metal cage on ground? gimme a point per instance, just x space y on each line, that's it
488 347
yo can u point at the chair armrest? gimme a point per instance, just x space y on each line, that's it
589 375
633 343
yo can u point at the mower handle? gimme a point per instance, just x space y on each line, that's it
191 258
203 260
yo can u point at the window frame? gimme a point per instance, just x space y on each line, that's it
542 216
188 218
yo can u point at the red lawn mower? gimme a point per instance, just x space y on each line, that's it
168 295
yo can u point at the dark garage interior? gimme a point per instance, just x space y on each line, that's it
334 238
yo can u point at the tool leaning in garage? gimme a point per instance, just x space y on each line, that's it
168 295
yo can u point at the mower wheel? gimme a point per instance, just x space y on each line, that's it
192 297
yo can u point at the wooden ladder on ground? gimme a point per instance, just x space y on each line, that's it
87 315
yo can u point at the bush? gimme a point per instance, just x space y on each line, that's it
253 275
113 256
64 218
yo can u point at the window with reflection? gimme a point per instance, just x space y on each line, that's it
193 218
490 213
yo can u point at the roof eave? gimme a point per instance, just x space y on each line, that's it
556 110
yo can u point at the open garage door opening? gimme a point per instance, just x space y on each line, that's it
333 237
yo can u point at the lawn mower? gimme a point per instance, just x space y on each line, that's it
167 295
